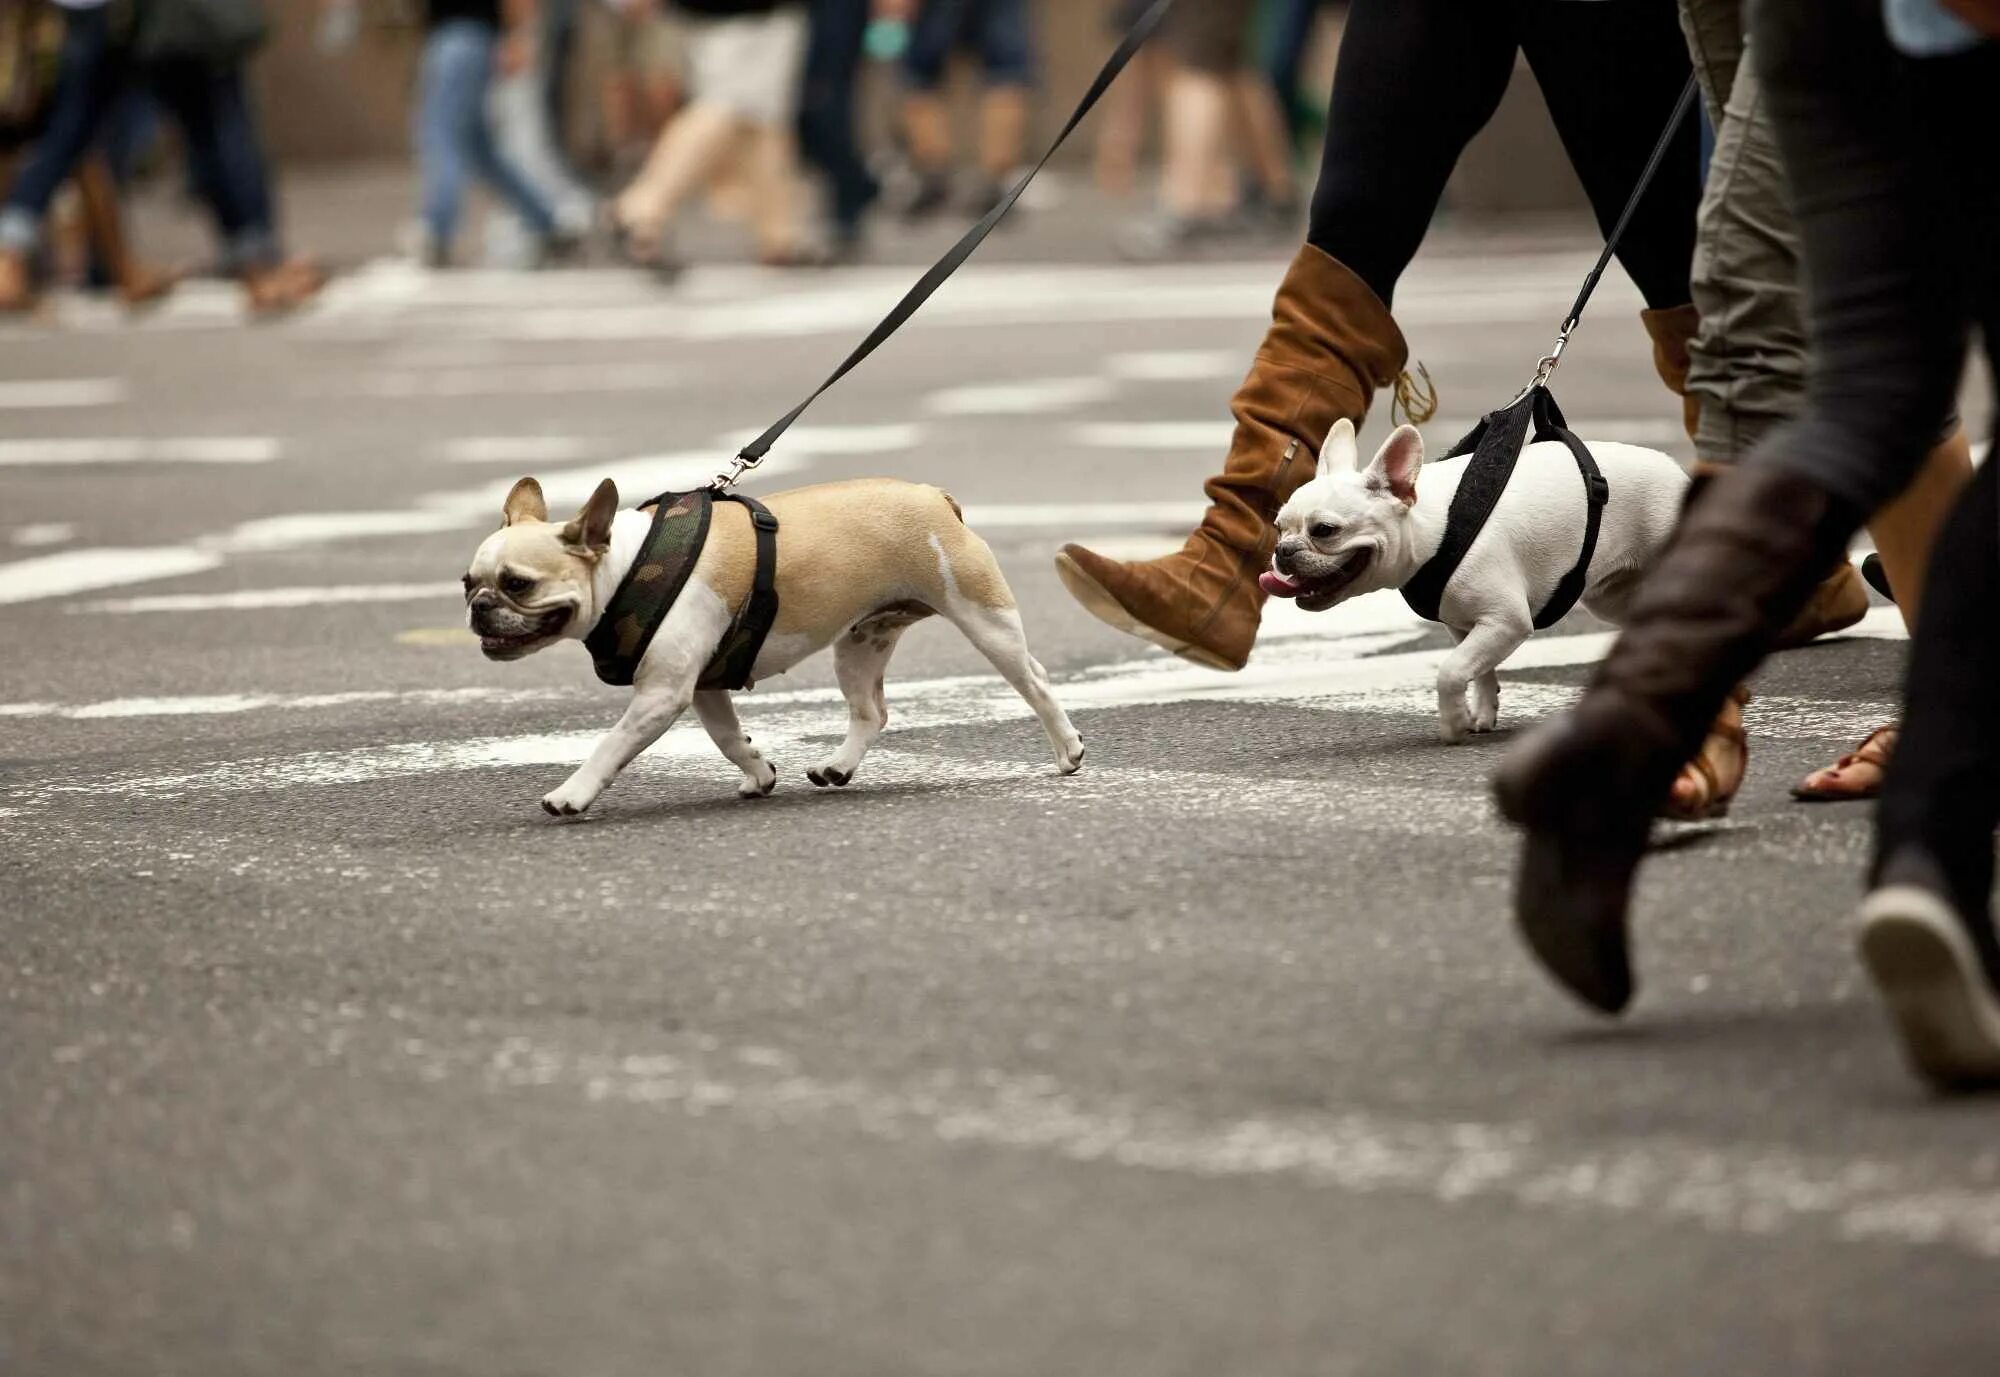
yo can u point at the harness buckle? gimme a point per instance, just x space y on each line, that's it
1597 489
761 518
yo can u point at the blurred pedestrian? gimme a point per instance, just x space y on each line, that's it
466 43
191 56
1126 110
1223 135
1000 36
1897 228
1288 34
1416 80
641 89
745 63
839 32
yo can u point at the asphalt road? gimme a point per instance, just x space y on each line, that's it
322 1050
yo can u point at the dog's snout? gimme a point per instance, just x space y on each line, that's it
1288 550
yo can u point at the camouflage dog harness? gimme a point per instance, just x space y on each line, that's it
664 564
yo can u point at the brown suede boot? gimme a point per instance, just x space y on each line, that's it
1671 329
1586 785
1331 343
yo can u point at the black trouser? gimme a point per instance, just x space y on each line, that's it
826 110
1898 201
1418 78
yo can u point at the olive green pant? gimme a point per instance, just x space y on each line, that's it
1747 362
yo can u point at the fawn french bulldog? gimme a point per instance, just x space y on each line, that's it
858 564
1359 527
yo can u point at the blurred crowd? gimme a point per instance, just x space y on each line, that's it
800 121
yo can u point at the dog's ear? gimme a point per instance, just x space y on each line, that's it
1339 454
524 503
1395 465
590 533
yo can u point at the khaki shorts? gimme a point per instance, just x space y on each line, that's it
646 44
752 66
1211 36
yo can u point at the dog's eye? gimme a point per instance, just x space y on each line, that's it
513 585
467 584
1322 530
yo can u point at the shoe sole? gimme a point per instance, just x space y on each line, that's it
1099 603
1924 966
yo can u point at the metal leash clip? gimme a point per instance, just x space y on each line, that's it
1545 366
738 466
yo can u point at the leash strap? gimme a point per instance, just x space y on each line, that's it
1495 445
737 655
1548 362
753 453
1550 425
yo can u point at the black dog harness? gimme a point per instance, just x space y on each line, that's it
1495 444
661 570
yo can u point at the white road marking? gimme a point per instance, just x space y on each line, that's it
1028 397
1211 436
36 394
516 449
257 599
1075 517
187 449
231 704
812 441
1744 1189
1323 673
81 571
41 533
1177 365
515 380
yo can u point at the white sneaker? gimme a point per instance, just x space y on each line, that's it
1941 1002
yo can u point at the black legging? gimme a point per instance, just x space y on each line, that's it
1418 78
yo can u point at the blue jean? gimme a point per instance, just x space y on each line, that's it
826 113
209 104
454 137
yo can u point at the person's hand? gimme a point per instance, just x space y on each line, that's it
1983 15
516 53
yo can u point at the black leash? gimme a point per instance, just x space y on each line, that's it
1548 361
753 453
1495 444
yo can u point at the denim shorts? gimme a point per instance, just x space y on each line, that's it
997 32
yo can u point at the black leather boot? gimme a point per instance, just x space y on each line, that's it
1585 785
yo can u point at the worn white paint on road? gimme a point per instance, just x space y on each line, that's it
184 449
1747 1189
54 394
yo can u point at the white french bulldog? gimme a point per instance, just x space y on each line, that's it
858 564
1358 528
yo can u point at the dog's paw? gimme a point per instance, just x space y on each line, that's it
1069 759
829 776
1453 728
762 785
572 799
1486 717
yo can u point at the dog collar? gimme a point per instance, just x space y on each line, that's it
659 573
1495 445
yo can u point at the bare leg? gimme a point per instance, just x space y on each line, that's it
688 151
1003 130
648 715
717 713
773 185
1193 182
859 660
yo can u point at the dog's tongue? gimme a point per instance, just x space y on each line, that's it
1278 586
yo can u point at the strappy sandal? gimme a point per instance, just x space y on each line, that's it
1708 784
1856 776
